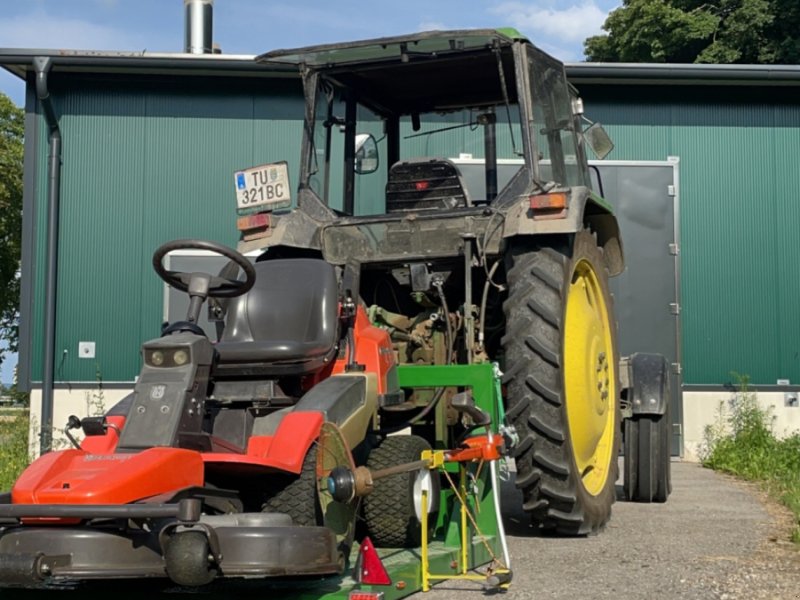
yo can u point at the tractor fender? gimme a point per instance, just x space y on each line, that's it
584 209
646 377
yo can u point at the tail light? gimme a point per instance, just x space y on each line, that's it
549 206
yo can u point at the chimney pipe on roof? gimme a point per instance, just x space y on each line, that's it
198 26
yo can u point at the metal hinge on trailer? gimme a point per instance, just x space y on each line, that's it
676 368
674 308
674 249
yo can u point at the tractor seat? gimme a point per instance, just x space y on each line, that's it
425 184
287 324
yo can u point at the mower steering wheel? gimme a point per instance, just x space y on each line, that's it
218 287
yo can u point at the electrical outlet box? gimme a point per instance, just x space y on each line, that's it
86 349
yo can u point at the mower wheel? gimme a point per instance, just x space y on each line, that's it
296 495
390 511
562 388
186 557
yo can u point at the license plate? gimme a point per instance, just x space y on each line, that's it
263 187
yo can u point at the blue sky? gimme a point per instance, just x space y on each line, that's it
255 26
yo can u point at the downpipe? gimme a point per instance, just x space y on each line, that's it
42 66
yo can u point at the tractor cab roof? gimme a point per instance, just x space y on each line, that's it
390 49
433 71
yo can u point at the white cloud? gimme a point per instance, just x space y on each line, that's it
432 26
40 30
571 24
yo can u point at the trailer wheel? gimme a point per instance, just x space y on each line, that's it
648 476
562 382
390 511
296 495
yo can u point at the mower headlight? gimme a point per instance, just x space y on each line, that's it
167 357
181 357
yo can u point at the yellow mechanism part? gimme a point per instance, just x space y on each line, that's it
589 377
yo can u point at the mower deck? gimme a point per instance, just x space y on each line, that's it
257 545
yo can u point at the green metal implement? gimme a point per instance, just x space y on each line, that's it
479 484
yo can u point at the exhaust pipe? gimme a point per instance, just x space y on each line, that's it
198 26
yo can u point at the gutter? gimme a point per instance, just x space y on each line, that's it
42 65
18 61
690 74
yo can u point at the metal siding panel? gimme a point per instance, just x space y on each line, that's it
39 252
143 165
728 257
738 190
786 175
99 278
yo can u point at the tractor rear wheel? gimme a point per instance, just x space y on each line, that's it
561 377
390 511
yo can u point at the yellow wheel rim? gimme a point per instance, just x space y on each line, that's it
590 378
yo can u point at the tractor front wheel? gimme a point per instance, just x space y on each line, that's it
562 382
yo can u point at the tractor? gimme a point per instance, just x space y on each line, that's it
451 168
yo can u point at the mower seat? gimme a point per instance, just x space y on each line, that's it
287 324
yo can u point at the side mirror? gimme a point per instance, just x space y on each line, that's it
367 159
598 140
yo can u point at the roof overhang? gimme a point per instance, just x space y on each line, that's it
682 74
20 61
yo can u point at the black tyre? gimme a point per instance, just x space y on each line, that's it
390 512
562 382
296 495
186 557
648 476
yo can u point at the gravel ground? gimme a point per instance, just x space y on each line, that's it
715 538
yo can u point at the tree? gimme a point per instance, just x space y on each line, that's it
684 31
11 136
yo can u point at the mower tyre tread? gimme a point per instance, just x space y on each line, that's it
296 496
389 511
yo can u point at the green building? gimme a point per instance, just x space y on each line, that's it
149 143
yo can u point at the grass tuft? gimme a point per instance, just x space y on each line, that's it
742 442
14 452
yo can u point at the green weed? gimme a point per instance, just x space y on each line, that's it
14 452
742 442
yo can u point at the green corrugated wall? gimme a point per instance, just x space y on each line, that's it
739 152
144 163
149 161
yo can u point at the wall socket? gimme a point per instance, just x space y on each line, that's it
85 349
